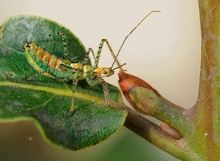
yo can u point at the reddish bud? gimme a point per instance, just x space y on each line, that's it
127 82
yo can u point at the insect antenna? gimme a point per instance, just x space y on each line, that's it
115 56
119 66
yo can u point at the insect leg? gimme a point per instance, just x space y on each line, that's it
36 75
100 50
106 91
75 81
85 61
63 40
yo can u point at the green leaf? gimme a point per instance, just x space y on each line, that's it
45 100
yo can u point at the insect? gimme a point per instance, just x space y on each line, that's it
67 69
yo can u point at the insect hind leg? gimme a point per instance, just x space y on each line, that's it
63 40
62 34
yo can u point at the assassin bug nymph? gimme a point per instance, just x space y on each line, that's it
66 69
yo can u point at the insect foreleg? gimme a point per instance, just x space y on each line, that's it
100 80
106 91
100 50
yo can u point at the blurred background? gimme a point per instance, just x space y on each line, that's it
164 51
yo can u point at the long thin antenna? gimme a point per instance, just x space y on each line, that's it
115 59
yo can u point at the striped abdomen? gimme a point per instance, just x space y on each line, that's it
43 61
